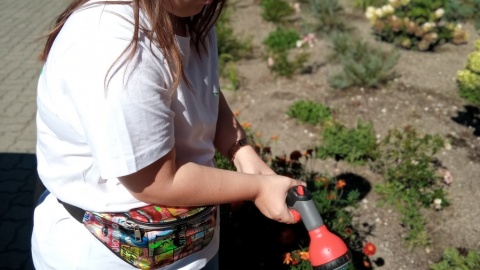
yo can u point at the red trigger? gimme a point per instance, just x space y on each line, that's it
300 190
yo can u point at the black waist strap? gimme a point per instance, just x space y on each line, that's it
74 211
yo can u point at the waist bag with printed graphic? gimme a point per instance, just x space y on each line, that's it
151 236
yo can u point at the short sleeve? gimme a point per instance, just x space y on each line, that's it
122 105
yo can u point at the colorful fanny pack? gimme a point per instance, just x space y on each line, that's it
151 236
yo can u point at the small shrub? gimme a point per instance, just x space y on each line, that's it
275 10
407 163
362 65
468 79
415 24
357 145
463 10
457 258
306 111
281 40
328 15
283 66
279 43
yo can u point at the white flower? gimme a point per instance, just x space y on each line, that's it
379 12
370 14
439 13
299 43
296 7
388 9
395 3
428 26
437 203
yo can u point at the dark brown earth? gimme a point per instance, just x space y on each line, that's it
423 95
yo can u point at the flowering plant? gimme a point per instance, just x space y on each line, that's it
468 79
415 24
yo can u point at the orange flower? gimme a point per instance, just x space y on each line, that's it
287 259
246 125
331 196
366 264
304 255
341 184
236 113
274 137
369 249
258 134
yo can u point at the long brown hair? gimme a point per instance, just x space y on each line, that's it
161 33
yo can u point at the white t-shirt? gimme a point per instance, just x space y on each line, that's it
88 135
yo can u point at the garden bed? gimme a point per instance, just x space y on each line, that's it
423 95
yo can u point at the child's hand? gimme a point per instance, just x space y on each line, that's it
270 199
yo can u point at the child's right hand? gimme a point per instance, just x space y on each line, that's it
271 198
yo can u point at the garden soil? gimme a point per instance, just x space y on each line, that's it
423 95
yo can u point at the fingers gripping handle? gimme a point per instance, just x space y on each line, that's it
299 199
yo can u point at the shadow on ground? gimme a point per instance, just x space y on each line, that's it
19 190
470 117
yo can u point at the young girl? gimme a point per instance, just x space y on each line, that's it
130 114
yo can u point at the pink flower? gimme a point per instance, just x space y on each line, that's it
448 178
270 61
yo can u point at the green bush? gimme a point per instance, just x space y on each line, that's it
279 43
328 15
463 10
356 145
415 24
284 66
281 40
275 10
306 111
408 165
362 65
468 79
455 258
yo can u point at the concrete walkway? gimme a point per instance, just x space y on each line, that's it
22 22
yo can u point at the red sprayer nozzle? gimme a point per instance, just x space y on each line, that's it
327 251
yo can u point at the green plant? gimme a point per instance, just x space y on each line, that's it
306 111
407 163
222 162
283 66
362 64
415 24
458 258
328 15
463 10
231 74
281 40
468 79
279 43
354 145
275 10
